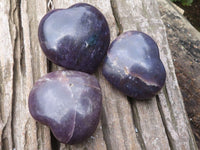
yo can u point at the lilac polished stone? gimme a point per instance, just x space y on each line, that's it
76 38
133 65
69 102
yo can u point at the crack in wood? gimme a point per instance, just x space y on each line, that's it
105 130
136 123
14 36
164 122
116 16
21 39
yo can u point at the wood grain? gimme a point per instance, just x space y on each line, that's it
159 123
8 33
145 16
25 63
184 42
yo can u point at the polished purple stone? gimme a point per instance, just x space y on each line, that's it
133 65
76 38
69 102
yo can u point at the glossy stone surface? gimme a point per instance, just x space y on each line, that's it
76 38
133 65
69 102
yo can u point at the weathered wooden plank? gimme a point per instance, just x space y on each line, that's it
8 33
144 16
160 123
96 141
118 131
33 65
19 40
184 42
148 120
31 15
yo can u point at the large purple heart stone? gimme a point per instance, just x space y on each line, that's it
76 38
69 102
133 65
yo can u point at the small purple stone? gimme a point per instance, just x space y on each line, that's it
69 102
133 65
76 38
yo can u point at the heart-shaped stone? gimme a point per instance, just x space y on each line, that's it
76 38
69 102
133 65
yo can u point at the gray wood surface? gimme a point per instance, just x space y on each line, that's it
160 123
184 42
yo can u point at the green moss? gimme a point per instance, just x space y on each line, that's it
184 2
